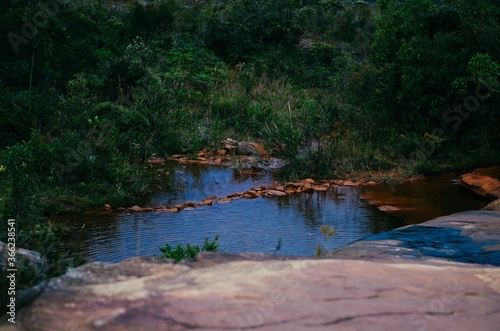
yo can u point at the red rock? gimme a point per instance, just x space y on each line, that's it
349 183
289 192
135 209
172 210
224 200
107 206
320 188
202 159
485 186
159 208
157 160
188 208
147 209
233 195
371 182
219 160
207 202
309 180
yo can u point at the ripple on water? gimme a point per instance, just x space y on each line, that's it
243 226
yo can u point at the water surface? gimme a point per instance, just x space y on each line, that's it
243 225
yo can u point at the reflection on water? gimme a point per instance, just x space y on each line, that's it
243 225
194 183
421 200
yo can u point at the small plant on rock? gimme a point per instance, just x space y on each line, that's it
189 251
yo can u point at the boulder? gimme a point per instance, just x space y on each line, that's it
495 205
485 186
267 294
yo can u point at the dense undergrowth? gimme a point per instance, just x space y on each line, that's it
91 89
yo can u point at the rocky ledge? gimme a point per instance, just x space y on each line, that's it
261 292
144 294
469 237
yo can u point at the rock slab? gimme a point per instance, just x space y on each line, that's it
144 294
469 237
485 186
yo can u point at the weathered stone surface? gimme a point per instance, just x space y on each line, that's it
485 186
144 294
495 205
471 236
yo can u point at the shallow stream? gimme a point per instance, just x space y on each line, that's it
256 225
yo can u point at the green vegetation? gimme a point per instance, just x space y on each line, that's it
188 252
90 89
327 232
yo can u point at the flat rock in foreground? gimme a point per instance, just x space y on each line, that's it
143 294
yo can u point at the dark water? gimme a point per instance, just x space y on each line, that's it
243 225
421 200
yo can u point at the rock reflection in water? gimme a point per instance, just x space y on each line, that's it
243 225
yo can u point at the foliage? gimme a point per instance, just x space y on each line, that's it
188 252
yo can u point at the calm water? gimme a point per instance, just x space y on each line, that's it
243 225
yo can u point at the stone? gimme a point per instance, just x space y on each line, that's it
247 148
388 208
276 193
218 160
485 186
107 206
157 160
495 205
267 294
147 209
349 183
320 188
224 200
309 180
172 210
471 237
135 209
307 189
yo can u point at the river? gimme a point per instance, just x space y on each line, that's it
256 225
